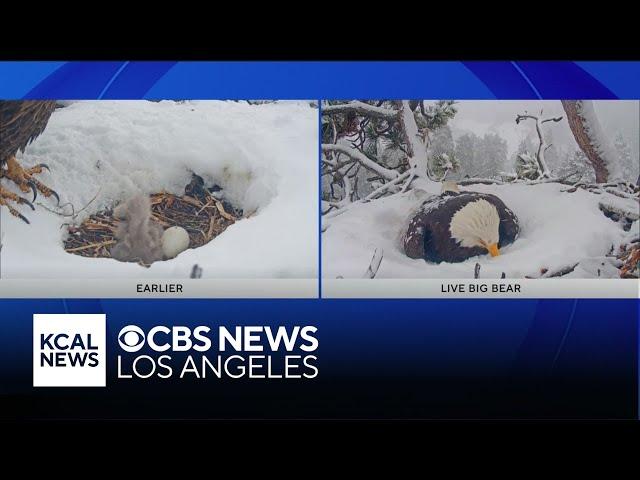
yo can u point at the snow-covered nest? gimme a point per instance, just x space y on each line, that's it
557 229
202 216
263 156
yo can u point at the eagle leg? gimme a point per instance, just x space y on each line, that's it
6 196
24 179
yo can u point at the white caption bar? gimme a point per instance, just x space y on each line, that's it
126 288
451 288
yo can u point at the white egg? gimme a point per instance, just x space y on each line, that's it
175 240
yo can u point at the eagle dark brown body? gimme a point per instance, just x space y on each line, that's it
21 121
429 237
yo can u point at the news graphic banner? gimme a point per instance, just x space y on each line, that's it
329 359
309 240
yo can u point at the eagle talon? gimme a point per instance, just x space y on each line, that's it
7 196
32 184
55 194
25 178
27 119
21 217
24 201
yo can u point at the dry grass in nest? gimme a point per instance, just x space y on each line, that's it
630 257
203 216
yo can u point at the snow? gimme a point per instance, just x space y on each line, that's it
557 229
419 161
487 116
263 156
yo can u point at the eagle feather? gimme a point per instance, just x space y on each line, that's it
21 121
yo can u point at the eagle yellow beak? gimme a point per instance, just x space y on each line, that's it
493 249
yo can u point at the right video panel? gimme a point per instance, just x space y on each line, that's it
446 189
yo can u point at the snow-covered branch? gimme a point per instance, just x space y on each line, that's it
341 207
492 181
484 181
360 108
365 161
416 148
618 211
380 190
551 119
562 179
621 194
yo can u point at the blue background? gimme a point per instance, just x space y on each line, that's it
311 80
404 358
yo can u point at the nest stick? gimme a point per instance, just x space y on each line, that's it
91 245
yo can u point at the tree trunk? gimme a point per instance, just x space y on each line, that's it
416 148
576 122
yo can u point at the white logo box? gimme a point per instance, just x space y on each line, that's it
88 330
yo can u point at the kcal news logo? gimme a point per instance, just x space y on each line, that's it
69 350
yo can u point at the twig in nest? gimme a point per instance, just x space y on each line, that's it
73 213
222 212
376 260
191 200
559 272
58 211
91 245
630 259
220 208
562 271
208 204
196 272
212 224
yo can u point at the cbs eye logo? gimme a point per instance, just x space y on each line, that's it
131 338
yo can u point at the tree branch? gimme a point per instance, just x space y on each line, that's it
366 162
386 186
542 145
485 181
376 260
553 119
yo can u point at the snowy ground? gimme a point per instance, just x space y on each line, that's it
263 156
557 229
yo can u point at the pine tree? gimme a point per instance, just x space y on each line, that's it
527 166
442 141
443 163
491 155
577 164
628 167
368 144
465 148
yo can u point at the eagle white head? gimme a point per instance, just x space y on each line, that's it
477 225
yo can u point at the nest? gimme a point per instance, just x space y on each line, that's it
630 257
198 211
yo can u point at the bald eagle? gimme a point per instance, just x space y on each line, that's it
454 226
21 121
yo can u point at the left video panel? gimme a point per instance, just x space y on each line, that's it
132 198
